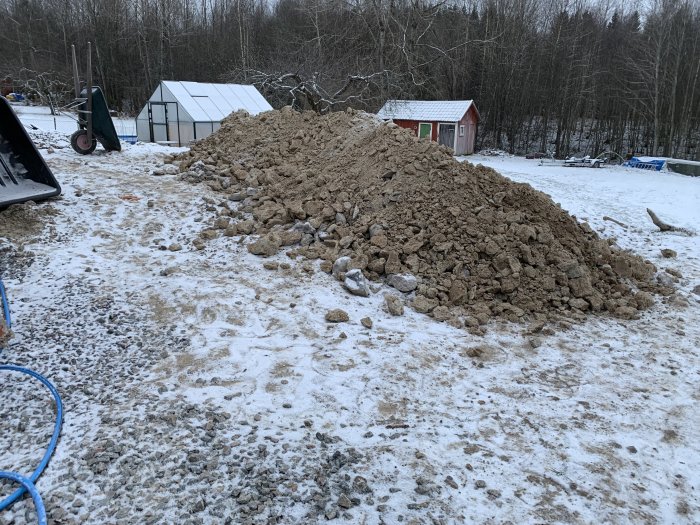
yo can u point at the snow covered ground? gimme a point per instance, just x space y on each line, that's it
201 387
41 117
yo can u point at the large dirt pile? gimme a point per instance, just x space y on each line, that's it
478 244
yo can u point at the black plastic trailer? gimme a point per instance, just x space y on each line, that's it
24 175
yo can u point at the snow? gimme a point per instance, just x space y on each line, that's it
427 110
593 423
41 117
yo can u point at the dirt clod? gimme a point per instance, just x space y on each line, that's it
393 304
337 316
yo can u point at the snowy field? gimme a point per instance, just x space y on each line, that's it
65 122
202 387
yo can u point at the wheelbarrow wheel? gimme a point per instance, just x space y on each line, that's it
79 142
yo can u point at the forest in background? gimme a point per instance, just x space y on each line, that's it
549 75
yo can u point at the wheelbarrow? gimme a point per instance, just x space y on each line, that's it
94 122
24 175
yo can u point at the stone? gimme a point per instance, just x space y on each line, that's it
356 284
393 264
626 312
380 241
493 493
413 245
209 234
665 279
457 292
377 266
175 247
644 300
245 227
265 246
221 223
359 484
340 266
509 284
667 253
441 313
403 282
375 229
337 316
424 305
572 269
471 322
366 322
674 272
579 304
360 262
393 304
581 286
291 237
535 342
267 210
344 502
304 227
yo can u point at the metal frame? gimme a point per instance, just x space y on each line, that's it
167 122
150 119
194 126
84 115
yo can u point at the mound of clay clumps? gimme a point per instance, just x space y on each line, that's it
465 242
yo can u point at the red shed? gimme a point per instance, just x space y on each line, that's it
449 122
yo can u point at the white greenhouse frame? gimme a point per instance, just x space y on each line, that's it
178 113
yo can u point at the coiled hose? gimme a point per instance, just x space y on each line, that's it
27 484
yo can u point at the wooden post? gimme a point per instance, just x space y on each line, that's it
76 81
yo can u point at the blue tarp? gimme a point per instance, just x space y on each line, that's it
646 164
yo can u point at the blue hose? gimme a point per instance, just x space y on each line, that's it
28 486
54 438
5 305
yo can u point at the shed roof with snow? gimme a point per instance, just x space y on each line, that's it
426 110
179 112
452 123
